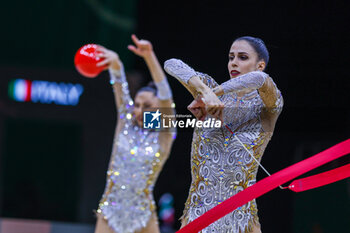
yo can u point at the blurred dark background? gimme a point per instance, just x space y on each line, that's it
53 158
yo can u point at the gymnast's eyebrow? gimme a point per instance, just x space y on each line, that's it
232 53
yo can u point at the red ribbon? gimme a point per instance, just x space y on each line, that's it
277 179
321 179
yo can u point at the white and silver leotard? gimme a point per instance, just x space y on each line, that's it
137 158
220 166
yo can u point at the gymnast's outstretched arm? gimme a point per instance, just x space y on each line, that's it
255 80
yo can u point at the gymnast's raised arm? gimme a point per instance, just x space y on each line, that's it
117 80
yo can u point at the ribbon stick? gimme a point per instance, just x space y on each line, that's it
269 183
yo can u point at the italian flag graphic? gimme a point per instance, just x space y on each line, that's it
20 90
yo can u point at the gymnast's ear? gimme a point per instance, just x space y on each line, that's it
261 65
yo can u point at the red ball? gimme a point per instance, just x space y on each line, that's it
85 61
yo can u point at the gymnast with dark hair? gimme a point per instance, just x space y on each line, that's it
225 161
138 155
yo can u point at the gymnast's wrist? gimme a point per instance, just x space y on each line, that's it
202 88
203 91
117 72
149 57
117 76
218 91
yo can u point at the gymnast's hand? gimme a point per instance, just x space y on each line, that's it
111 58
142 48
206 104
213 105
197 108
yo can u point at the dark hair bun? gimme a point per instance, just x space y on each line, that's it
259 47
151 86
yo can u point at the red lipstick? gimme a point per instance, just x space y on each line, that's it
234 73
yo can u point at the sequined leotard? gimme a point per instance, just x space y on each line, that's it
221 167
137 158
